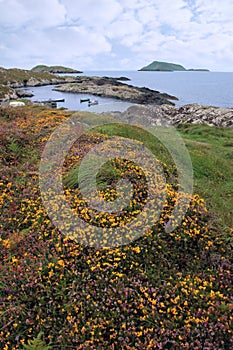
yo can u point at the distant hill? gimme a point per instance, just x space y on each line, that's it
167 67
54 69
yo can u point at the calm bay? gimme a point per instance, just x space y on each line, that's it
205 88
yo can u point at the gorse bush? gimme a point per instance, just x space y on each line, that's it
165 290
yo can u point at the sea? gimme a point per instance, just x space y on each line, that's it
205 88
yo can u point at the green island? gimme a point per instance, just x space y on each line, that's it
164 290
169 67
54 69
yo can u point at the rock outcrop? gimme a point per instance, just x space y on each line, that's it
13 78
16 78
166 115
7 93
112 87
23 93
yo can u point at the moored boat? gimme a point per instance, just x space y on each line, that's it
92 103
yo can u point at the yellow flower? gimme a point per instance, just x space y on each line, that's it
173 310
137 249
61 263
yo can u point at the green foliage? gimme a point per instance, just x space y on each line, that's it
167 290
36 344
163 66
13 75
211 153
14 147
168 67
53 69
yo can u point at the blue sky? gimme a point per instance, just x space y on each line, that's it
116 34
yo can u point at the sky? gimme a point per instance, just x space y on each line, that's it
116 34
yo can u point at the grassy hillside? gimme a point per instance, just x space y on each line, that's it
54 69
163 66
164 290
211 151
168 67
14 75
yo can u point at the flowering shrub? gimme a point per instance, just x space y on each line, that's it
162 291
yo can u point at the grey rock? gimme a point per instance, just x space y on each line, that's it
23 93
112 87
169 115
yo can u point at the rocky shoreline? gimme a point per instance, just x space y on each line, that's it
151 107
14 78
113 87
166 115
11 79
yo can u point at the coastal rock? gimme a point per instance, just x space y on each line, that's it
23 93
7 93
112 87
99 86
13 78
166 115
16 78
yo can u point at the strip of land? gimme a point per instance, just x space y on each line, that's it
11 79
113 87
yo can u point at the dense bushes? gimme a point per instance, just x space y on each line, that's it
162 291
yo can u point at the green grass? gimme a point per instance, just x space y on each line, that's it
59 294
13 75
211 152
51 69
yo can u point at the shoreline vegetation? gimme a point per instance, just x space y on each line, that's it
165 290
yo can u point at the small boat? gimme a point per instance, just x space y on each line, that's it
92 103
59 100
52 100
84 100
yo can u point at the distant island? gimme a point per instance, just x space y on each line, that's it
54 69
168 67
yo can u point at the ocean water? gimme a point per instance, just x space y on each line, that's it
206 88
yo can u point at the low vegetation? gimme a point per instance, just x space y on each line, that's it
14 76
165 290
54 69
168 67
5 91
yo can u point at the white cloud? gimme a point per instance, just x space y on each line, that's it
116 33
127 28
56 46
92 13
36 14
